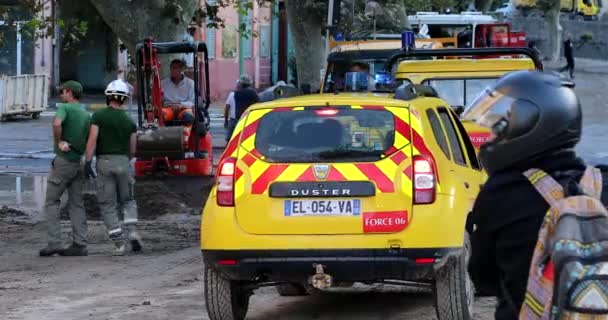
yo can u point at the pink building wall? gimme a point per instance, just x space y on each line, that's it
223 72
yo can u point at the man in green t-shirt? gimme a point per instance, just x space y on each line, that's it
70 131
112 140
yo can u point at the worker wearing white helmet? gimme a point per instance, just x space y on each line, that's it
113 140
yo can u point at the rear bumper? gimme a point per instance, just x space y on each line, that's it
343 265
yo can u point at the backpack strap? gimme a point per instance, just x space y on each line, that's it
550 189
591 182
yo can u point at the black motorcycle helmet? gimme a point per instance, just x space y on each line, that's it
532 115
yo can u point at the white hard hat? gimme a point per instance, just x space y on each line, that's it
117 88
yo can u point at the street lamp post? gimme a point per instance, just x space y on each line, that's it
19 58
241 38
330 18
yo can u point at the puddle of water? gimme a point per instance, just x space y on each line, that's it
28 155
25 193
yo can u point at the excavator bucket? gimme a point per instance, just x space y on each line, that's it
160 142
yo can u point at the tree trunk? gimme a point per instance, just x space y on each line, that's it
307 30
554 31
402 16
483 5
133 21
603 9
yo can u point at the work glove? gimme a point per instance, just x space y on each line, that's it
89 173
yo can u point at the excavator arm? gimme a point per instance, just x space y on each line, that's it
152 88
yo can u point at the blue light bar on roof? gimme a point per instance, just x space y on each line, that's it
407 40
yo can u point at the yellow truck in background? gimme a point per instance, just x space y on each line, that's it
577 9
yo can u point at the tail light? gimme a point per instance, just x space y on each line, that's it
225 182
326 112
425 260
424 180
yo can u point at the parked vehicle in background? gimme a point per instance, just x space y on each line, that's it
469 29
459 81
575 9
505 10
24 95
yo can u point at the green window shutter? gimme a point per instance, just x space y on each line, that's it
210 41
265 41
248 42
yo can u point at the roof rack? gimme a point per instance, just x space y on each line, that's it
464 52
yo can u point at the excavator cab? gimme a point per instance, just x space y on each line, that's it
176 147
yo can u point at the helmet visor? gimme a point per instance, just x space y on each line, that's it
488 108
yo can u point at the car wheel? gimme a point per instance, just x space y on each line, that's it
291 290
454 291
36 115
224 299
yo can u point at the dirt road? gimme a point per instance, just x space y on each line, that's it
165 282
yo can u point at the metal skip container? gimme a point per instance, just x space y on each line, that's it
23 95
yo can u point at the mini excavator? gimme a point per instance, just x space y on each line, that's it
173 148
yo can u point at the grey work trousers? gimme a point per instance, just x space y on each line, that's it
65 175
115 184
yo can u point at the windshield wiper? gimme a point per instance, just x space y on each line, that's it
346 153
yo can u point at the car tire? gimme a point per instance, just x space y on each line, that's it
36 115
224 299
291 290
453 288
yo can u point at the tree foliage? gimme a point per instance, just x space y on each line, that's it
483 5
27 13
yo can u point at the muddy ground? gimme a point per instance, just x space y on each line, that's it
165 281
156 197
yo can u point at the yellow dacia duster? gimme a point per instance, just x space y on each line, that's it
322 190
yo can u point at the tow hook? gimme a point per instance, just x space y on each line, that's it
320 280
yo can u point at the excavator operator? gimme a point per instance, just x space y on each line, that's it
178 97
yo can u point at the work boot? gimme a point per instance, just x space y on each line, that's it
75 250
135 239
48 251
119 248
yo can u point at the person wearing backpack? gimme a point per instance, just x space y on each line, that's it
536 122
